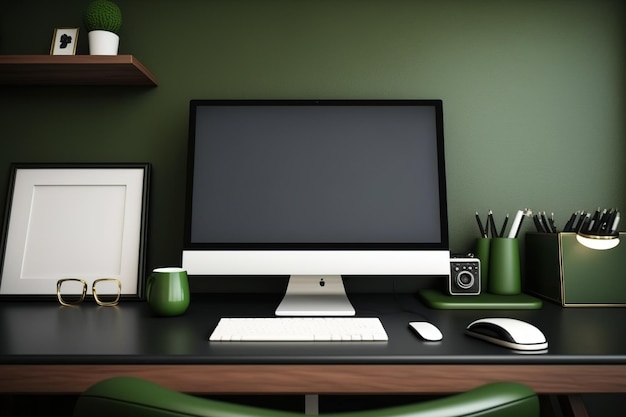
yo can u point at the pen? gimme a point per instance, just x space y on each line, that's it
585 223
615 223
482 230
517 222
544 223
492 224
538 225
551 221
506 220
580 222
598 225
607 222
593 221
570 222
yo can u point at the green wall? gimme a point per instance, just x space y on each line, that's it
534 91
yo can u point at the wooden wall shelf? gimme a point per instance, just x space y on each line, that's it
74 70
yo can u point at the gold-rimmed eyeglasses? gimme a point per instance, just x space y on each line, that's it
106 291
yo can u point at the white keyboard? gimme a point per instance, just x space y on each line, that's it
299 329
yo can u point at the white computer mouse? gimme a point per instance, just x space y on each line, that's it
427 331
508 332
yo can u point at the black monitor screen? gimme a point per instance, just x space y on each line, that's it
316 174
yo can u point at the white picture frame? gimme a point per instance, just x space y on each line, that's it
83 221
64 41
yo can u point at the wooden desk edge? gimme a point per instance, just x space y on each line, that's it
319 379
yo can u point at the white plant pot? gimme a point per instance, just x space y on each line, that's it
102 42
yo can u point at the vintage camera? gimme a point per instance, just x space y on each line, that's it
464 276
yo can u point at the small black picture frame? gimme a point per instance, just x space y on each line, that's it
64 41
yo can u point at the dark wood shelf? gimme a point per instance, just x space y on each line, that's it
74 70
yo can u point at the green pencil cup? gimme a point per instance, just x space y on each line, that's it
481 251
504 266
167 291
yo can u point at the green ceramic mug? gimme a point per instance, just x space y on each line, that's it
167 291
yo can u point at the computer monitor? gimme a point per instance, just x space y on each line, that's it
316 190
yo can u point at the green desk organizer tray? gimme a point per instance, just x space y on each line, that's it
437 299
562 270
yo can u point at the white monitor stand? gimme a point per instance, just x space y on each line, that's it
315 295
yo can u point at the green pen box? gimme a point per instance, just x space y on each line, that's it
562 270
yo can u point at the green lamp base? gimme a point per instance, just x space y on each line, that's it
437 299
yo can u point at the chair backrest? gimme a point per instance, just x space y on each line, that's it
128 396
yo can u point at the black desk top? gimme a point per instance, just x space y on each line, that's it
47 333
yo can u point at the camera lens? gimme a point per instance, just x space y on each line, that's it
465 280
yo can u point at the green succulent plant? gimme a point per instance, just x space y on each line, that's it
103 15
